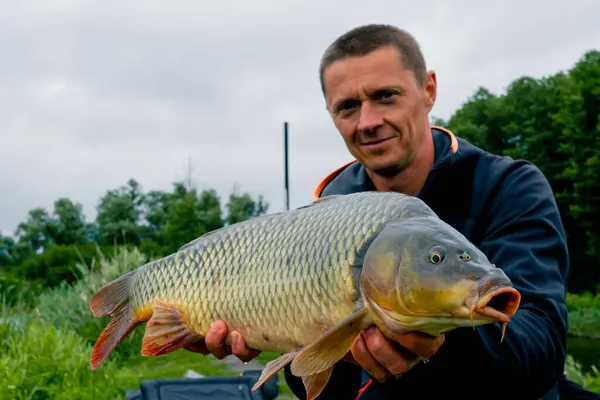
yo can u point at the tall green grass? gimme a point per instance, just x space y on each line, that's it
588 380
45 351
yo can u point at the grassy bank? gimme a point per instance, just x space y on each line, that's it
44 351
584 322
584 315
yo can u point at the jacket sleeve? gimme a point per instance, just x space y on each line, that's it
524 236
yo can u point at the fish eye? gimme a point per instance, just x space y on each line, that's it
436 255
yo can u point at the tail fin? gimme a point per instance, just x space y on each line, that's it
113 299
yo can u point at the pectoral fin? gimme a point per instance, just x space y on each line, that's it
315 383
328 349
167 330
273 367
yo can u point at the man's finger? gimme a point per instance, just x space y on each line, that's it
240 349
215 340
394 359
365 359
420 344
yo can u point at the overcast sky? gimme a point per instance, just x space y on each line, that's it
93 93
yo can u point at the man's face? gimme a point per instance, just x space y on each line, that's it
379 108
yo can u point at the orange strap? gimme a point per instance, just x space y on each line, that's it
329 178
362 389
453 141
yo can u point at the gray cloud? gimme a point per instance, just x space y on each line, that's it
92 94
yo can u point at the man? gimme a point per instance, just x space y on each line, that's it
379 94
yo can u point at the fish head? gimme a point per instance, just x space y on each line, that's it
422 274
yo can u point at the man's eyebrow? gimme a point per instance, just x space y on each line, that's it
370 94
383 89
345 100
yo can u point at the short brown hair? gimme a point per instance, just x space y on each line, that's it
364 39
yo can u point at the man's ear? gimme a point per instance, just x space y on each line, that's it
430 89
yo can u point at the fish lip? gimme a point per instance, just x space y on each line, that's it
500 303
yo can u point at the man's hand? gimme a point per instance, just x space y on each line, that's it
215 343
381 357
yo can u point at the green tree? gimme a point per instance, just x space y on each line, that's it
157 205
191 214
242 207
582 143
119 214
7 245
68 223
552 122
482 120
35 234
210 211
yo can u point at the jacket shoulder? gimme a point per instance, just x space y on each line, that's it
348 178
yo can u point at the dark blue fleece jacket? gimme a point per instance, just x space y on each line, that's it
505 207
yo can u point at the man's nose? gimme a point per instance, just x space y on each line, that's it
369 117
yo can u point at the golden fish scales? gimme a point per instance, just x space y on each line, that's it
305 283
279 281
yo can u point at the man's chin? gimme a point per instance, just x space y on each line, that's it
385 169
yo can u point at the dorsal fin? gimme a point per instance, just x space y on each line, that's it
311 204
201 237
320 200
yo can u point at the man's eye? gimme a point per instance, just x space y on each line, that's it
347 106
387 95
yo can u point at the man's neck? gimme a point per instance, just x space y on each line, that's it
412 178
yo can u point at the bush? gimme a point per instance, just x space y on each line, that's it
584 314
57 266
45 352
590 381
42 362
16 291
75 315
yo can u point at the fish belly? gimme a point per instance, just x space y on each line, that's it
282 280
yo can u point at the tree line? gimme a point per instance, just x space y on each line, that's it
46 247
553 121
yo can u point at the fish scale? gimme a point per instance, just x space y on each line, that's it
278 279
306 282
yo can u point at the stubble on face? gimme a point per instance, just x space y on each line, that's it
380 109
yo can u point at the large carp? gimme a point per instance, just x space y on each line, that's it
305 282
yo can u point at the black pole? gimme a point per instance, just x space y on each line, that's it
286 167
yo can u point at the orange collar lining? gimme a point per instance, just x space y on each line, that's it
329 178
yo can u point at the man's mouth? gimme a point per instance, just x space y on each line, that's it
375 142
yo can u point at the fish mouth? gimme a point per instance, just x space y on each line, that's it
499 304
